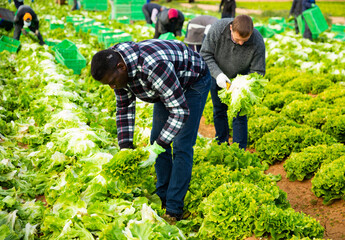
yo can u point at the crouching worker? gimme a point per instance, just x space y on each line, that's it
176 80
26 17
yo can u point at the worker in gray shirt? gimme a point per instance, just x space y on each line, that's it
231 47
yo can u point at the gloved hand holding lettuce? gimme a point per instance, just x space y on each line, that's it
244 93
154 151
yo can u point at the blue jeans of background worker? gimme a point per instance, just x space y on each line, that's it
174 168
221 124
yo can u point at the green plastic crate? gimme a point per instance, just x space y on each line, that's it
55 25
66 47
340 36
108 33
52 43
301 24
74 18
315 20
124 20
167 36
91 6
95 29
79 25
9 44
266 32
276 20
338 28
137 16
76 62
89 26
111 40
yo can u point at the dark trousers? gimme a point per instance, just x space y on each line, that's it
18 4
18 32
229 10
221 124
147 15
307 33
174 166
296 25
195 47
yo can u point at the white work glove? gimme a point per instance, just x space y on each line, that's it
154 151
222 79
36 32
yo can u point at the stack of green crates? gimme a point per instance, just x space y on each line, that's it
68 54
98 5
136 10
122 10
9 44
132 9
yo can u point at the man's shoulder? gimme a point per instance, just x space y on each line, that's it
256 39
220 25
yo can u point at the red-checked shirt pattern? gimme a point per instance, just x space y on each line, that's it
158 70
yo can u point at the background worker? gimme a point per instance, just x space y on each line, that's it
28 18
17 3
177 80
295 11
169 20
150 11
76 5
306 4
231 47
197 29
229 8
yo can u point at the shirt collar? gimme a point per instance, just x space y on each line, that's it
129 52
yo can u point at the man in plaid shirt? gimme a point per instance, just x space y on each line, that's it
177 80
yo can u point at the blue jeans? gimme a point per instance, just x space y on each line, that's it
220 118
174 167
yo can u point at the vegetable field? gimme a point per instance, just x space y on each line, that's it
63 176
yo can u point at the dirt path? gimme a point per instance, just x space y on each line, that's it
331 217
215 8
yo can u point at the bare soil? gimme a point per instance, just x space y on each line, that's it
302 199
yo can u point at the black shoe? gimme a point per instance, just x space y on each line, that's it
175 215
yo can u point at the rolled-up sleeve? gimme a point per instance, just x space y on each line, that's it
125 117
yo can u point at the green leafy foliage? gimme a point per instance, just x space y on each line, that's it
302 165
282 141
297 109
336 128
277 101
247 91
329 181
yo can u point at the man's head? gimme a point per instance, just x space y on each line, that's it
27 19
241 29
108 67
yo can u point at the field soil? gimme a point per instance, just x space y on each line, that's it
215 8
302 199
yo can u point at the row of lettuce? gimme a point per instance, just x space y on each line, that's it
58 140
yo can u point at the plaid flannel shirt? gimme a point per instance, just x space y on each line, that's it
158 70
